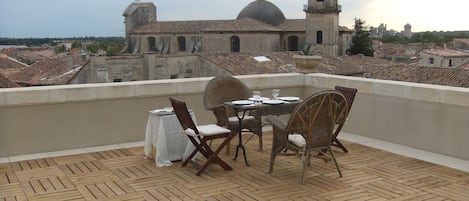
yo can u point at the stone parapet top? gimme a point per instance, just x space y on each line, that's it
398 89
152 88
92 92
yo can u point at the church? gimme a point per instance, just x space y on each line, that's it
259 27
202 48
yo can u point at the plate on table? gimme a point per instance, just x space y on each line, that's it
289 98
242 102
273 102
259 99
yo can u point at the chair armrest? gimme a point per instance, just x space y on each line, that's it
276 122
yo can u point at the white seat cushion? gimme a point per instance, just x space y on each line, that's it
297 139
235 119
190 132
211 129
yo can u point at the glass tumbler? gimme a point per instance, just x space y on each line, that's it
275 93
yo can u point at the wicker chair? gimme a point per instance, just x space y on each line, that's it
349 94
225 89
310 127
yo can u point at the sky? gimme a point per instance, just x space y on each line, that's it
78 18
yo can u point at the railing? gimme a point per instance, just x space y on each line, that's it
43 119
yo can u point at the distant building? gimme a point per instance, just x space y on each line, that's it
259 27
398 52
378 32
381 31
407 30
446 58
461 43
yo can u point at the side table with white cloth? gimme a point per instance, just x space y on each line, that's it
165 141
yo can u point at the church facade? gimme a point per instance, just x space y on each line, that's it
259 27
203 48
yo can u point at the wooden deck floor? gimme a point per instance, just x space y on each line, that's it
369 174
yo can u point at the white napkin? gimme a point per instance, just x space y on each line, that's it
162 111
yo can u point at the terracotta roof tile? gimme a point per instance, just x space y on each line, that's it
446 52
293 25
7 62
465 65
28 55
54 71
244 63
455 77
245 24
280 62
6 83
389 49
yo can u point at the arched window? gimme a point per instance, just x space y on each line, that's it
151 44
181 43
450 63
319 37
292 43
235 46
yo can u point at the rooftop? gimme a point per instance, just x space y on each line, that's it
7 62
122 173
446 52
6 83
52 71
59 70
197 26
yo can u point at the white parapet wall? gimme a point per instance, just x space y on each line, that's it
43 119
51 118
429 117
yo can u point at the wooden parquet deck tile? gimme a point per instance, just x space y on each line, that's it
124 174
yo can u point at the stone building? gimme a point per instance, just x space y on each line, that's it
259 27
322 26
407 30
179 49
461 44
378 32
446 58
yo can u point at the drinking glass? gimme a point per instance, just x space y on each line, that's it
256 95
275 93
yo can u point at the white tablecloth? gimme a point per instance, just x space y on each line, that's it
164 135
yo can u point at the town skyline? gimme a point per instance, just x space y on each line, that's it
53 18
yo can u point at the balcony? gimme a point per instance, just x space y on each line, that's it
421 121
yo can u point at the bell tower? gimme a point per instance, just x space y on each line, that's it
136 14
322 25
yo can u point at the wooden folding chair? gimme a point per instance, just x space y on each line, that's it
199 135
349 94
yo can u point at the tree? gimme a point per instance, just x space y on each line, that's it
76 44
361 41
60 49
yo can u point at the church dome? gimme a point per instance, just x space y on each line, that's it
264 11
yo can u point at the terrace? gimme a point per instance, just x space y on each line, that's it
406 141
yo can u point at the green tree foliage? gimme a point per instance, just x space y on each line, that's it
361 41
59 49
110 47
76 44
426 37
93 48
